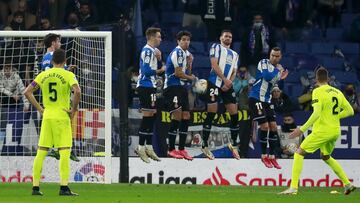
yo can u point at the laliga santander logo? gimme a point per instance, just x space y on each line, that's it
90 173
216 179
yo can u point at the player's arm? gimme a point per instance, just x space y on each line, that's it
178 61
316 104
76 100
189 61
269 72
347 109
146 68
234 67
30 96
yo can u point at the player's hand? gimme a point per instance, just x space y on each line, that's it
189 59
296 133
225 88
161 70
192 77
158 54
72 68
228 83
71 112
280 67
284 74
26 109
16 98
41 111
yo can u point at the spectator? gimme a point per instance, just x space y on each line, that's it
72 21
329 9
44 25
288 146
242 84
5 7
304 100
281 102
18 22
257 42
29 18
353 97
86 15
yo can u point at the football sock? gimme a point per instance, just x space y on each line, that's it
263 141
206 128
64 166
296 170
37 167
150 129
183 128
273 140
336 167
146 127
172 134
234 128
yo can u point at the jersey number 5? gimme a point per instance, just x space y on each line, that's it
336 104
52 91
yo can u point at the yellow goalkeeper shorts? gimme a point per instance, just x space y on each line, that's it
55 133
324 142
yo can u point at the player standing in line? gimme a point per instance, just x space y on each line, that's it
56 85
146 87
268 73
177 73
330 106
52 42
224 62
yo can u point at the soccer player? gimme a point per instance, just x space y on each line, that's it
56 85
224 62
177 73
52 42
146 87
268 73
329 106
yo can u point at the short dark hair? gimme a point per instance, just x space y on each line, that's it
182 33
59 56
226 30
49 38
288 114
151 32
276 49
322 75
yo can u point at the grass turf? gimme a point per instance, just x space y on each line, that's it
122 193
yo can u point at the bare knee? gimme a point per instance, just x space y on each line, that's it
301 151
264 126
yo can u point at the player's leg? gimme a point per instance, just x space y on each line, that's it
63 142
258 114
184 124
147 99
231 106
212 96
273 141
325 153
45 142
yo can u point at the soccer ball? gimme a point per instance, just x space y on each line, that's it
292 147
200 86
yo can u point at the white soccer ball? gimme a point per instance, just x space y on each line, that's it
200 86
292 147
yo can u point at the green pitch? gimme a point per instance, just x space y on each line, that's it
122 193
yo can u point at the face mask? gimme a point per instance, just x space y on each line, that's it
242 74
349 91
288 127
258 25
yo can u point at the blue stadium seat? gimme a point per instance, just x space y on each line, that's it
297 48
334 34
197 47
346 77
236 47
293 77
347 19
287 62
172 17
322 48
167 46
201 62
349 48
332 62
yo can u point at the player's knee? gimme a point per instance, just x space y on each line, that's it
186 115
324 157
264 126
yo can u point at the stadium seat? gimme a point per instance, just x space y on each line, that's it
332 62
201 62
334 34
346 77
167 46
197 47
172 17
322 48
349 48
297 48
236 47
347 19
293 77
287 62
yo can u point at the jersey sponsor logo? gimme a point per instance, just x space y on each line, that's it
216 179
90 172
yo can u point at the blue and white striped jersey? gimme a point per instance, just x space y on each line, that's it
46 61
227 61
177 58
267 75
148 67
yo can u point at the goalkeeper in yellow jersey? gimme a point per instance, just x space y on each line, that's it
56 85
329 106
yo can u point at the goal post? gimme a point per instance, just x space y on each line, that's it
91 53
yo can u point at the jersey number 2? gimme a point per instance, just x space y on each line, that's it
52 91
336 104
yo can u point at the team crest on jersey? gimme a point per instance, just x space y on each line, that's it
229 59
147 59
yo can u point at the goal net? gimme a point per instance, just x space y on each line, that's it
21 53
